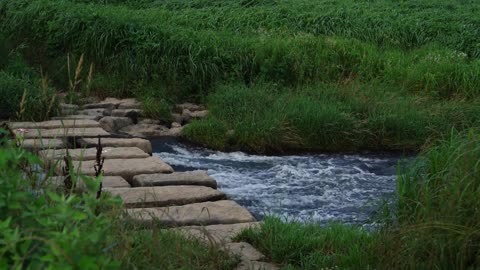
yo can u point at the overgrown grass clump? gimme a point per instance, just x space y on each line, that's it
437 219
25 94
327 117
310 246
42 228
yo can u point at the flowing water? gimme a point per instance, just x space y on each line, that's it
320 188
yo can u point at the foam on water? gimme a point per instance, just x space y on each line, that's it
322 188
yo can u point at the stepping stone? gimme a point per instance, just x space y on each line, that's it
60 132
165 196
126 168
39 144
55 124
78 117
108 183
101 105
205 213
91 153
255 265
196 178
245 251
220 233
99 112
143 144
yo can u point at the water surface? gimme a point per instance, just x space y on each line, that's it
322 187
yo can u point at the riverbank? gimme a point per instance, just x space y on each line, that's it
276 76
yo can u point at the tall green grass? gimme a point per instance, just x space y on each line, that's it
153 43
437 219
327 117
402 24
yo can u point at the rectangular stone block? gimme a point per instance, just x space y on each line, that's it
164 196
204 213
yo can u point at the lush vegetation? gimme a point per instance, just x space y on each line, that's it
25 94
434 223
277 76
42 228
368 74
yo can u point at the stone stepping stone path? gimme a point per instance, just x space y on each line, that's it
126 168
163 196
195 178
143 144
204 213
59 133
90 153
152 193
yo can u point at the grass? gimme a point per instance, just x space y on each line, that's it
156 44
267 118
309 246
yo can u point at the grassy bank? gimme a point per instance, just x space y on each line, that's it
433 224
315 76
42 228
327 117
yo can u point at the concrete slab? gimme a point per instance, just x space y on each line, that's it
55 124
143 144
195 178
126 168
165 196
60 132
204 213
90 153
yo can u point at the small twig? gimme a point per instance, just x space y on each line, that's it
66 172
99 160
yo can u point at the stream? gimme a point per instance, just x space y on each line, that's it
317 187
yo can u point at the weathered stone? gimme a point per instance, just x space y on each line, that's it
145 130
199 114
164 196
190 106
188 115
204 213
219 233
131 113
55 124
108 183
90 153
68 108
127 168
175 132
99 112
176 125
245 251
78 117
60 132
102 105
255 265
196 178
114 124
148 121
129 103
114 182
39 144
176 117
143 144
